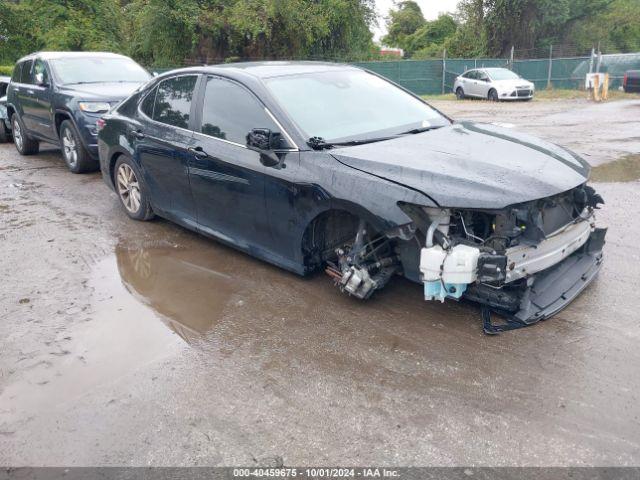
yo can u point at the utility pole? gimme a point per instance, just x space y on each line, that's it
511 60
444 69
550 66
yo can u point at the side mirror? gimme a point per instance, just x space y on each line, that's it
40 79
264 141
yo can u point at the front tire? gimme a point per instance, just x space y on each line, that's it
493 95
131 190
460 93
24 144
75 155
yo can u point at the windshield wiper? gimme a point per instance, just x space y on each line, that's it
413 131
318 143
80 83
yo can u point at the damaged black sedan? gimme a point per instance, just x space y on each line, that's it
328 167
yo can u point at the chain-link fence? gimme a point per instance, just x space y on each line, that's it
427 77
430 77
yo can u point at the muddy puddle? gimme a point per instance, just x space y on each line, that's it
625 169
158 302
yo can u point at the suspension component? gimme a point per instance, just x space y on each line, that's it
365 266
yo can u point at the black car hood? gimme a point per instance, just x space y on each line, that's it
108 91
469 165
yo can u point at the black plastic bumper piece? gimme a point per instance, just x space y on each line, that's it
553 289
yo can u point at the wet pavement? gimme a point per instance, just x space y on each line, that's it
126 343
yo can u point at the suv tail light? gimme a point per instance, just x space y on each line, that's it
100 123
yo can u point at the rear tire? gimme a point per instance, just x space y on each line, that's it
24 144
131 190
493 95
460 93
5 136
75 155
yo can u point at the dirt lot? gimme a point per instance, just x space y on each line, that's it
125 343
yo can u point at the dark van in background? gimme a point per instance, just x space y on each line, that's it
631 82
56 97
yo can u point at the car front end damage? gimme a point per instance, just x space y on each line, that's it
525 262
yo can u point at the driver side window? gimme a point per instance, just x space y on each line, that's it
40 67
230 112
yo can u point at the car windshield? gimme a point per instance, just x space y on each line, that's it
98 70
350 104
502 74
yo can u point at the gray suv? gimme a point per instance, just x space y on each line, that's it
57 97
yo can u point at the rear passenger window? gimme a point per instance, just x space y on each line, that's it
17 73
173 101
230 112
147 103
26 76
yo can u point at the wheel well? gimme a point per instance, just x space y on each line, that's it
325 233
59 118
112 166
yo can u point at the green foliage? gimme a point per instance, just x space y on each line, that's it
428 40
491 27
534 23
175 32
162 32
470 39
617 29
403 22
178 32
6 69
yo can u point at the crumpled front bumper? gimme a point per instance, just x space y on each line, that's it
555 288
551 290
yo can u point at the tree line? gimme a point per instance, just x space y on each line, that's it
490 28
179 32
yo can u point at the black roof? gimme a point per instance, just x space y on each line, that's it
269 69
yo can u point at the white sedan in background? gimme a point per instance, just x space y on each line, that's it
493 84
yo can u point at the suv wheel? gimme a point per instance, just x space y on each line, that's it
460 93
24 144
75 155
131 190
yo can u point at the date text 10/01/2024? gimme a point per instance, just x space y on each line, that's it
313 473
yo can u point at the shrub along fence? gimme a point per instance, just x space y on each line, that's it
428 77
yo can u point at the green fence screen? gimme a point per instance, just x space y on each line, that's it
425 77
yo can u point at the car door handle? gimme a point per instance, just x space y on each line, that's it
138 134
198 152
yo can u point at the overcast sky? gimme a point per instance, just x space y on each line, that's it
430 10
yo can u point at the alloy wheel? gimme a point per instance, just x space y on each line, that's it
128 188
69 148
17 135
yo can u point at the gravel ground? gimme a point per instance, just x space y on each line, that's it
125 343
